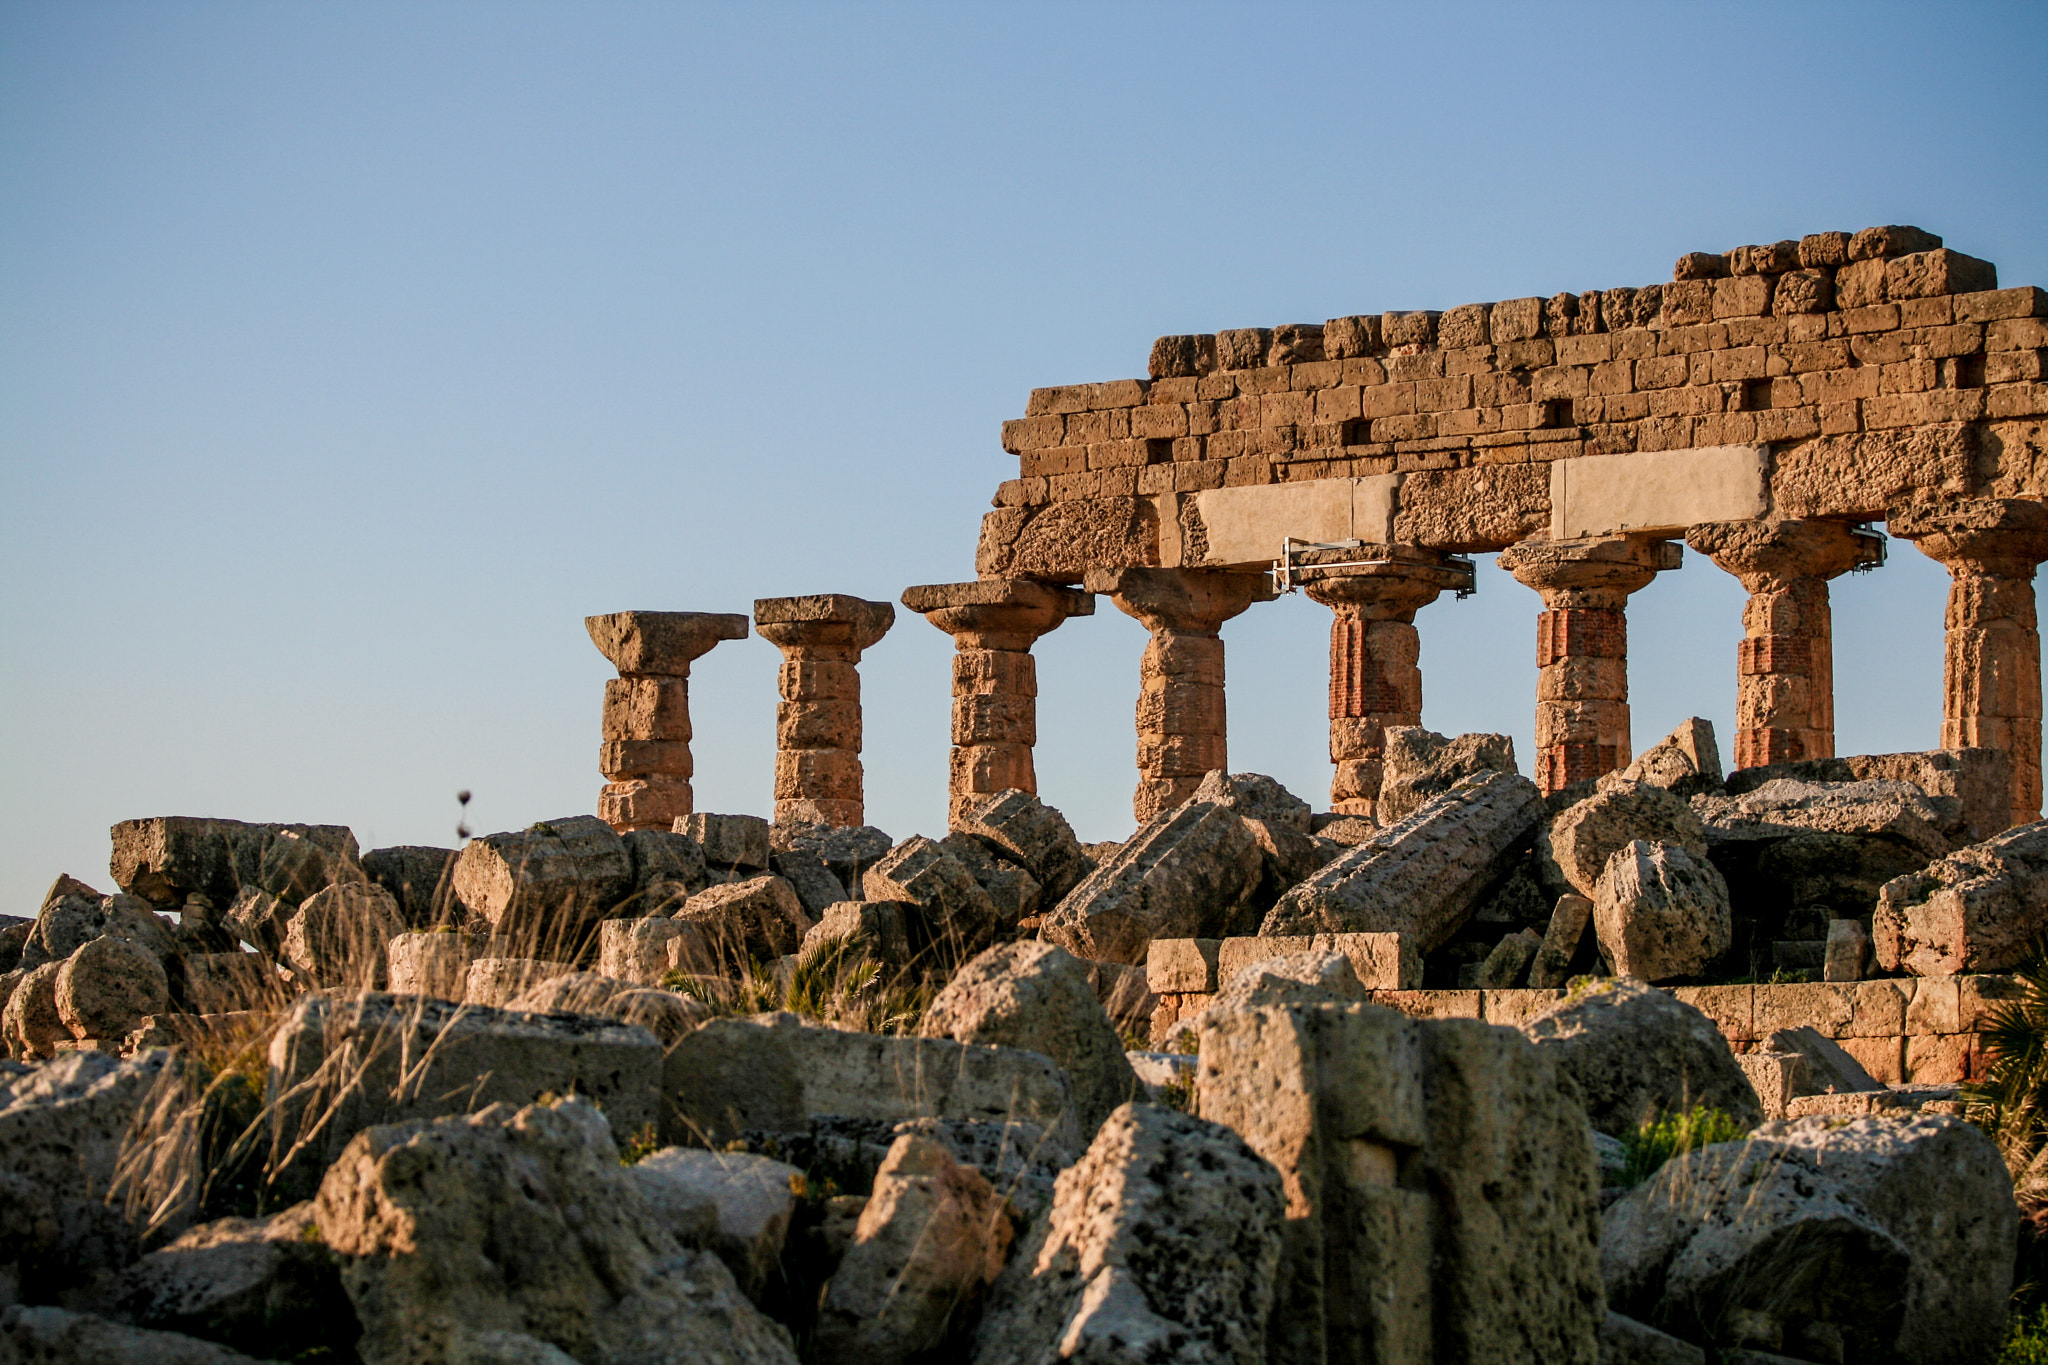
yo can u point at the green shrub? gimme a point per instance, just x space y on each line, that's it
2010 1103
1669 1135
2026 1338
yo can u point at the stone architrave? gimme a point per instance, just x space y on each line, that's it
1582 647
1785 665
994 622
817 722
1375 681
1181 726
645 754
1991 677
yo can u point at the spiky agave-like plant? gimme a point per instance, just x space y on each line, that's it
2010 1101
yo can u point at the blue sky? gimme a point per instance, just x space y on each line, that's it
351 355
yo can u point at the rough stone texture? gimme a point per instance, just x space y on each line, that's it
166 859
1036 997
263 1285
846 850
1279 822
1423 876
931 1238
30 1023
1255 796
954 913
1299 978
1896 812
336 937
732 1203
1980 909
815 886
571 993
1509 962
1561 939
757 920
1939 1186
494 981
1419 765
1980 780
1660 912
1848 950
1573 849
58 1336
105 988
1736 1245
1180 876
419 878
577 1259
1162 1244
730 842
1624 1341
661 643
775 1073
549 885
1441 1196
1825 1067
435 964
1686 762
1635 1053
1015 892
67 922
1018 826
875 930
818 720
665 864
376 1058
645 950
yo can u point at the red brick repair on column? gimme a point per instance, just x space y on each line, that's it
645 753
1785 670
994 623
817 722
1181 723
1375 680
1582 727
1991 678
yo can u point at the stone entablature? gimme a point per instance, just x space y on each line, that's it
1834 377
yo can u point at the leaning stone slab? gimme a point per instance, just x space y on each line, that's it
1423 876
341 1064
1636 1052
1421 765
1980 781
1980 909
732 1203
776 1073
1884 812
954 913
547 885
1686 762
1180 876
1018 826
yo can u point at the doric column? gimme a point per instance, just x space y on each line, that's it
1991 679
1582 647
1181 723
1785 665
994 622
1375 680
817 722
645 753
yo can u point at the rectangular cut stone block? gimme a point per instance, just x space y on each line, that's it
1877 1009
647 708
1007 671
652 802
1179 966
1937 1006
1732 1008
995 719
1384 962
1663 491
1233 955
1940 1059
1979 997
1434 1004
620 759
1582 632
1883 1058
1245 527
819 680
1512 1008
1825 1007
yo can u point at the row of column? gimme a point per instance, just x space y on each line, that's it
1785 683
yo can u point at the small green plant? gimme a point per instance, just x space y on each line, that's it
2010 1103
639 1145
1660 1139
2026 1338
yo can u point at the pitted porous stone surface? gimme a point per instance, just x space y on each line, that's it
1179 876
1980 909
1660 912
1419 764
1574 847
1636 1053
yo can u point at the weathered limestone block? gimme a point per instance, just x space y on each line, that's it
166 859
1015 892
1848 950
1561 939
1978 780
1062 542
1441 1195
1036 996
1660 912
375 1058
419 878
338 936
105 988
815 886
645 751
757 920
666 866
1015 824
731 1203
645 950
817 722
1420 765
1636 1053
1506 967
496 981
776 1073
578 1260
731 843
954 912
1180 876
71 920
221 983
58 1334
1423 876
1164 1237
1686 762
877 931
1980 909
424 963
846 850
1181 726
930 1240
546 886
1280 823
994 623
30 1025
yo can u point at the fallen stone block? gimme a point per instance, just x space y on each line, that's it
578 1260
665 864
548 885
71 920
1279 822
494 981
733 842
756 920
644 951
1567 929
295 864
775 1073
1015 893
1509 962
1420 765
1979 909
1877 812
224 983
1167 1230
1636 1053
1180 876
1979 780
731 1203
30 1025
105 988
421 879
1037 997
1848 950
1018 826
847 851
931 1238
165 859
432 963
878 931
1686 762
61 1337
955 916
1661 913
339 935
1423 876
1573 849
815 886
1825 1068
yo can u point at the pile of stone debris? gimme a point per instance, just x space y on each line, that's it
278 1098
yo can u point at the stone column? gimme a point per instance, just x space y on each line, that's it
645 753
994 622
1375 680
1582 647
1785 665
1181 723
817 722
1991 678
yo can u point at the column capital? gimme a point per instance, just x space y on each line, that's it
1597 571
1408 580
1997 537
1772 555
997 613
829 619
661 642
1189 601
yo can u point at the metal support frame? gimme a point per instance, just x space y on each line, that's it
1288 576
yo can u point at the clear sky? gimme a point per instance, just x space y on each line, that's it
351 354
